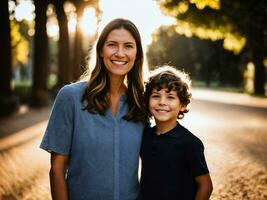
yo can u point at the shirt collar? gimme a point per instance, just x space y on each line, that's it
177 132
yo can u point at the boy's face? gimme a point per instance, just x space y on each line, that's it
164 105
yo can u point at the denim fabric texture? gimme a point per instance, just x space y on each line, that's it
103 150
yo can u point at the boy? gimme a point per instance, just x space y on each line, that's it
173 162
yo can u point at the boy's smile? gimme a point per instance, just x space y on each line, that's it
165 107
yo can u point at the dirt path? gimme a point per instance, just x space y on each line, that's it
235 140
235 148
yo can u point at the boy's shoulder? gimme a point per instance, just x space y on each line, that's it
179 133
148 128
186 136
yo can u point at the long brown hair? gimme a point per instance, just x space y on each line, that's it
96 91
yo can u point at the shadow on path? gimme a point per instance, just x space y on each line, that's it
22 119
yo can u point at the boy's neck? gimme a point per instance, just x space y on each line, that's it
162 128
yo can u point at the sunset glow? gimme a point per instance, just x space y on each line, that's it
145 14
88 22
24 10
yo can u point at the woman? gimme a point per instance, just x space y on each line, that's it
95 128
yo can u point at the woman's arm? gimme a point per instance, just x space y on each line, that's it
204 187
57 174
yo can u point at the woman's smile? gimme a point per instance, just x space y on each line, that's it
119 52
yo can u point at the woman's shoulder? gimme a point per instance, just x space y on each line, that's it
73 89
76 86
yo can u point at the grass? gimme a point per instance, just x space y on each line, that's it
22 88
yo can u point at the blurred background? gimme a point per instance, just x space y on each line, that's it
222 44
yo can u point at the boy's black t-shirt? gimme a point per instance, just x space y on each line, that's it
170 163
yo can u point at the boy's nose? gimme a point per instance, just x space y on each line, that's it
162 101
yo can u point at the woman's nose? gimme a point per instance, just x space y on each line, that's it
119 52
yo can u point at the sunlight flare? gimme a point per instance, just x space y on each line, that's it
24 11
88 22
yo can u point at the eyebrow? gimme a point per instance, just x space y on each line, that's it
172 92
112 41
130 43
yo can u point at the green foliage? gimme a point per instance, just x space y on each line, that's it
203 59
240 24
22 89
205 19
52 81
20 45
234 20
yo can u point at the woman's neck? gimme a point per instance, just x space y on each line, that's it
116 89
117 86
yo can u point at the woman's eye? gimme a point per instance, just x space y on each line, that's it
129 46
154 96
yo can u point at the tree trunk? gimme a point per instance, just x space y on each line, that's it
64 72
8 102
259 75
78 47
256 43
40 66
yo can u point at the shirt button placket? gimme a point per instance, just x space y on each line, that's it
116 159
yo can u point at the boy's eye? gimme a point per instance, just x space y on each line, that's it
154 96
172 95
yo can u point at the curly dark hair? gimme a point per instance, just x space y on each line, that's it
172 79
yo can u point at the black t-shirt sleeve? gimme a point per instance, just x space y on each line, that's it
195 157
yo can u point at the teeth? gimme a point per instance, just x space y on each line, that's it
119 62
161 110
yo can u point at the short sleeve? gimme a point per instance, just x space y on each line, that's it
196 158
58 134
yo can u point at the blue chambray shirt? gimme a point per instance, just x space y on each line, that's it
103 150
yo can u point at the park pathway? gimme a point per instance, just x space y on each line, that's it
232 127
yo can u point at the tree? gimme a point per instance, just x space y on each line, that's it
65 72
227 20
7 101
79 53
19 44
41 56
78 48
203 59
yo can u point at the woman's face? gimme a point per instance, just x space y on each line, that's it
119 52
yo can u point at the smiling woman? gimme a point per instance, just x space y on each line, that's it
95 129
119 52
